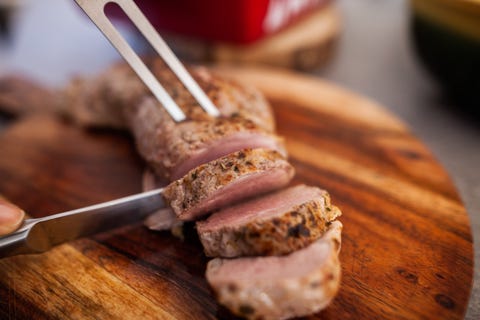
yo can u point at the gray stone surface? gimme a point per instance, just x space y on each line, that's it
374 58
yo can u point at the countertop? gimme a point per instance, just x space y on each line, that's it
374 58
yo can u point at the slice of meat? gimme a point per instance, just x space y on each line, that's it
100 100
280 287
227 180
117 98
172 149
275 224
219 144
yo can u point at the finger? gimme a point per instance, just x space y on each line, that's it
11 217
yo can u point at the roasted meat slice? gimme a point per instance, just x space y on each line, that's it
172 149
117 98
280 287
93 101
227 180
275 224
215 163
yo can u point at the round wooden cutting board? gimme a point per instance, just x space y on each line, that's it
407 246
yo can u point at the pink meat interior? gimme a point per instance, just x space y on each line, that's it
268 269
260 208
224 146
245 187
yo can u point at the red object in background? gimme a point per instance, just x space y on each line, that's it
235 21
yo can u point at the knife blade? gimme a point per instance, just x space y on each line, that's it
40 234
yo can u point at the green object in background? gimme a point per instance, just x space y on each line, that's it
446 34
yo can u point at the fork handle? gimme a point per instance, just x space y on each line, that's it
152 36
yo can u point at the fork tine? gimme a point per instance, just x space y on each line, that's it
95 10
156 41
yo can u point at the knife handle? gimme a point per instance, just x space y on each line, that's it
40 234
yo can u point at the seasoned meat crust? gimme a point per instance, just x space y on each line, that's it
172 149
224 181
118 98
99 101
280 287
263 233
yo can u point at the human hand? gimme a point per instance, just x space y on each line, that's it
11 217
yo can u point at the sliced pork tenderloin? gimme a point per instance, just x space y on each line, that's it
227 180
172 149
217 162
117 98
275 224
280 287
101 100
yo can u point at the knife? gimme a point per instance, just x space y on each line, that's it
40 234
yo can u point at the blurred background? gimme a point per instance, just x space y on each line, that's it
420 59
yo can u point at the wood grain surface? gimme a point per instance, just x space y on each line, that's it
407 246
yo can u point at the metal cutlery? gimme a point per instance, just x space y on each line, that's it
39 235
95 10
